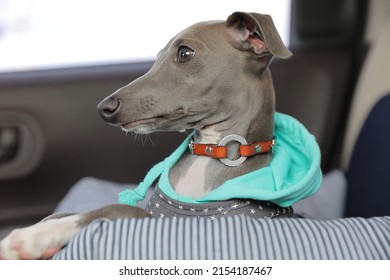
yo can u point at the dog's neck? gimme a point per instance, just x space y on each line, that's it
195 176
253 120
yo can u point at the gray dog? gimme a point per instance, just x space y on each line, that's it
213 78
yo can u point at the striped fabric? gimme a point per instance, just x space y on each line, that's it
235 237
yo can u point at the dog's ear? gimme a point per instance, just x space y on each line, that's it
257 33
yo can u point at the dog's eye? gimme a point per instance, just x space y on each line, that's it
185 54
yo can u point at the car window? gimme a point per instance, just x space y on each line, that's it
44 34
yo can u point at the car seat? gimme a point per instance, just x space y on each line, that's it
366 150
368 174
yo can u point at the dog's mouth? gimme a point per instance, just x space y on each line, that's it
152 122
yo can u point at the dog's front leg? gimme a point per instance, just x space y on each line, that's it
44 239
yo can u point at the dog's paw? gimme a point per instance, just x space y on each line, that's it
27 243
40 241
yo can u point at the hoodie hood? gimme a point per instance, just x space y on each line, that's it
293 174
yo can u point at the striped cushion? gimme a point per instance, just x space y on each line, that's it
236 237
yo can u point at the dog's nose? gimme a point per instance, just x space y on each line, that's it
108 109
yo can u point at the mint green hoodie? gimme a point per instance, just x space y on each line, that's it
293 174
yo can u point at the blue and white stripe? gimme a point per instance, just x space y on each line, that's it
234 237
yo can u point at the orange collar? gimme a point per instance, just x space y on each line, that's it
220 151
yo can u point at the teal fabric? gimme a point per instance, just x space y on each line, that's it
293 174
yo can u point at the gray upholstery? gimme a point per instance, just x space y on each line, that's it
91 193
328 203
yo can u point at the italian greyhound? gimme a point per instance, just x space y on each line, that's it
213 78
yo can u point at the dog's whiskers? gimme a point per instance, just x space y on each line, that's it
143 138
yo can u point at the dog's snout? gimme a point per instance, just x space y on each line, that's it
108 109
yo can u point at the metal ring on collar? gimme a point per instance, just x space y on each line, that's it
228 139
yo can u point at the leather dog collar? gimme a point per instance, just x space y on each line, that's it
220 151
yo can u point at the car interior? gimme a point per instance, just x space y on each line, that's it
51 135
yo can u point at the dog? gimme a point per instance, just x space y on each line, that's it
212 78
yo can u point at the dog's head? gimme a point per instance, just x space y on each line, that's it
196 77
